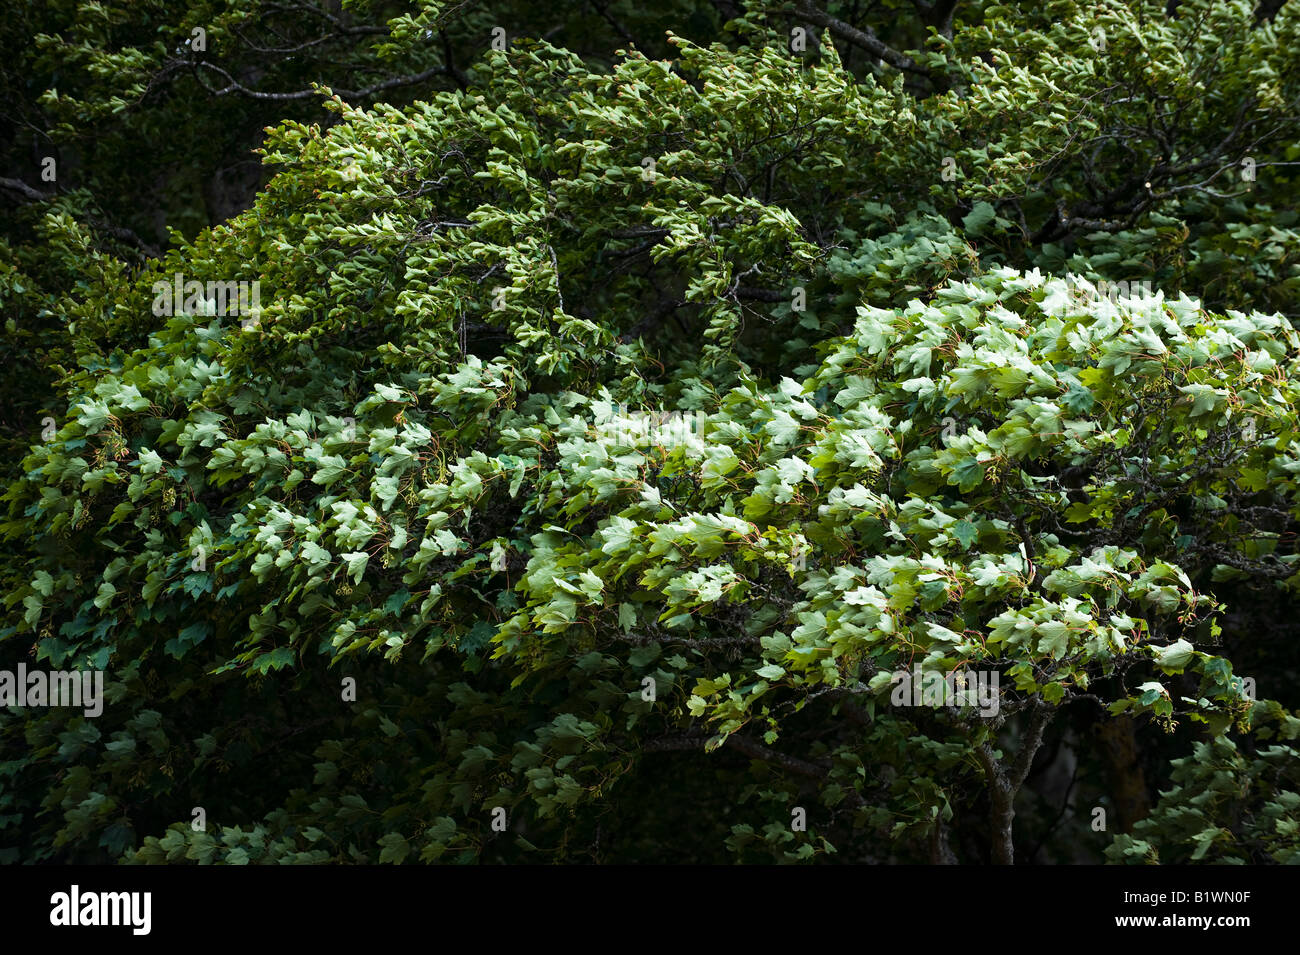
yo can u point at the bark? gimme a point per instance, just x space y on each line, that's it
1128 784
940 852
1004 784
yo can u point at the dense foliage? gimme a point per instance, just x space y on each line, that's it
615 424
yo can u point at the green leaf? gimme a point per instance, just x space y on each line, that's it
965 532
978 218
1174 657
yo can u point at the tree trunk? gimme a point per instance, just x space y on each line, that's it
1128 784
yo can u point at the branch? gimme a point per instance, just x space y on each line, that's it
234 86
645 640
865 39
1039 718
118 232
756 750
24 190
761 294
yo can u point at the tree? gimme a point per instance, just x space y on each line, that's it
592 419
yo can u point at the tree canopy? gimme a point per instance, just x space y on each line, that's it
628 398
